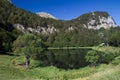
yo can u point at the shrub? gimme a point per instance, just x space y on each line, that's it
116 61
92 57
108 57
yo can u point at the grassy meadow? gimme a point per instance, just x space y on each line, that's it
11 68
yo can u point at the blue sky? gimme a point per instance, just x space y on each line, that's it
70 9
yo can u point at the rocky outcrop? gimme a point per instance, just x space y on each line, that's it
94 20
46 15
42 30
19 27
102 22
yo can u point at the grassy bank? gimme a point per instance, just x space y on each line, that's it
70 48
10 70
107 49
108 73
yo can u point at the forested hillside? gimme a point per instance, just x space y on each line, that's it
85 30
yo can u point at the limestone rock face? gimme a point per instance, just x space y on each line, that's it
39 29
95 20
46 15
102 22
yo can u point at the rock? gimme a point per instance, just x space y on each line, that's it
46 15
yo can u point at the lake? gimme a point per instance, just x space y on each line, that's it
65 58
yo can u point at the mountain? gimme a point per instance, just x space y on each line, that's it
82 31
45 23
10 1
95 20
46 15
11 15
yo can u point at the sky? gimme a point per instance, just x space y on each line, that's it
70 9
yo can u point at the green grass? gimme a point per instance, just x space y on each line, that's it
7 70
109 73
69 48
10 70
107 49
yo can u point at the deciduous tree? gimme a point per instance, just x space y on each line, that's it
29 45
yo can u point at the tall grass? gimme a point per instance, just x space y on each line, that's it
103 73
107 49
108 74
9 71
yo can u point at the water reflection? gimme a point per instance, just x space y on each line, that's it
67 59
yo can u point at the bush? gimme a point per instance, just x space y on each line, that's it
108 57
92 57
116 61
98 57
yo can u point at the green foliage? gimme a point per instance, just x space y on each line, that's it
46 73
28 44
107 57
92 57
66 59
80 36
116 61
15 15
107 54
73 38
11 72
107 73
115 39
6 39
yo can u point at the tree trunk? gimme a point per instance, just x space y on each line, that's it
27 61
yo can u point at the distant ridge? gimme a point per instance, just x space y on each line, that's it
95 20
46 15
